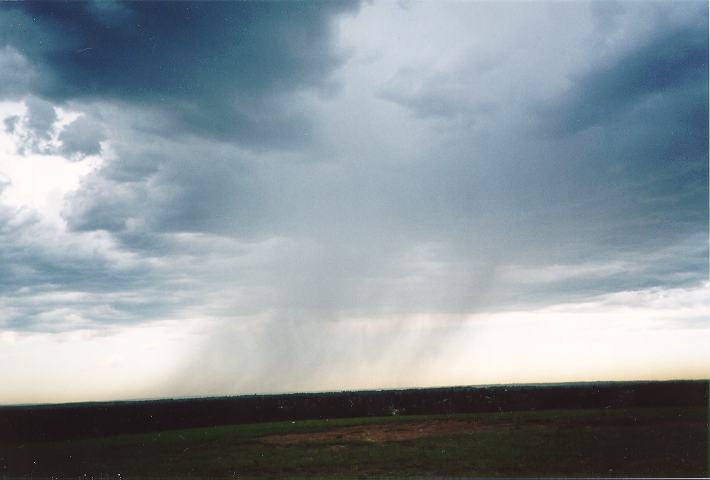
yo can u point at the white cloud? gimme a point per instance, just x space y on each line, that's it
39 180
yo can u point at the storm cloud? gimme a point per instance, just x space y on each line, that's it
210 69
274 175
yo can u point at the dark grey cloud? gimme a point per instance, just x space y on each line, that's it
53 281
40 118
10 123
645 119
182 187
229 77
451 95
82 137
618 158
673 64
16 73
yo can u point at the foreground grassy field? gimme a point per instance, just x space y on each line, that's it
670 442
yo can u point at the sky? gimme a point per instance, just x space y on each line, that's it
227 198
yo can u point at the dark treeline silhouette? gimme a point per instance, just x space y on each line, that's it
81 420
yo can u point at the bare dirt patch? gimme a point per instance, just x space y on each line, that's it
383 432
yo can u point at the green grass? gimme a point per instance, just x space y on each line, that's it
634 442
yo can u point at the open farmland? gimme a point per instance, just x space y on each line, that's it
670 442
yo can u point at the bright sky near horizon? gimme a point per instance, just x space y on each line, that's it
329 196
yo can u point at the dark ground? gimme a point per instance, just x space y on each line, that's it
639 442
84 420
639 429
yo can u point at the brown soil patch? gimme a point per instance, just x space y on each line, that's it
383 432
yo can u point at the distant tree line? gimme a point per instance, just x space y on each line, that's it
65 421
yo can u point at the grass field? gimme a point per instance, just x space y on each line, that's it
671 442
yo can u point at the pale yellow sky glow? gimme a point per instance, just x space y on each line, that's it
633 336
